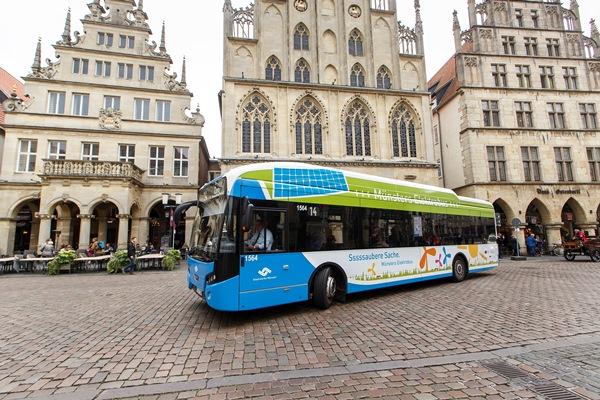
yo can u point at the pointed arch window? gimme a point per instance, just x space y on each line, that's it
357 76
308 127
357 126
384 78
404 138
273 69
301 38
256 125
355 43
302 73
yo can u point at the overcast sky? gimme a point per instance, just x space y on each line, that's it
194 29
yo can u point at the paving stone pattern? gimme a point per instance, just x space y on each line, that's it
99 332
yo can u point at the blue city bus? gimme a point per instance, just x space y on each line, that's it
279 233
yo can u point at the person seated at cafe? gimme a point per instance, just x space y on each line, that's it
47 249
261 237
580 235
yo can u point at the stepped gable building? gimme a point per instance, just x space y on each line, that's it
10 87
105 132
515 115
333 82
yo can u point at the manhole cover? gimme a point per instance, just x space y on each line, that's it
552 391
506 370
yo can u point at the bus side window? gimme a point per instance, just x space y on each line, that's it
268 233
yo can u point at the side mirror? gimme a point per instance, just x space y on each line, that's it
247 209
181 209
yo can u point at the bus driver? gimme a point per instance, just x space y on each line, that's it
261 237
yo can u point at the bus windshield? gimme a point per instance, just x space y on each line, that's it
209 223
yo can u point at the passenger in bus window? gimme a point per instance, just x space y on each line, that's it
261 238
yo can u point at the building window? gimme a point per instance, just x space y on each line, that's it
570 75
556 114
357 76
180 162
519 17
358 129
593 154
508 44
302 73
553 47
146 73
535 18
564 164
113 102
491 113
531 164
384 78
588 115
90 151
57 150
496 163
125 71
524 114
355 44
142 109
531 46
499 75
404 138
127 153
524 76
81 66
301 38
256 125
163 111
81 104
126 41
103 68
105 39
156 165
56 102
27 155
547 77
309 127
273 69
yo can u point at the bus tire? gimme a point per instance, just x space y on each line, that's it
459 269
324 288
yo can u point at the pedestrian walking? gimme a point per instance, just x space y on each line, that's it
131 247
531 245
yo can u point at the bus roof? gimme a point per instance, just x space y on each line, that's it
308 183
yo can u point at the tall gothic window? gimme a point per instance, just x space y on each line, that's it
309 127
357 126
256 125
355 43
302 73
301 38
404 139
357 76
273 69
384 78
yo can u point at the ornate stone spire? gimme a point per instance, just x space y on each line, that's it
163 46
457 32
140 5
418 20
37 60
66 36
594 28
139 15
455 22
574 5
183 74
227 6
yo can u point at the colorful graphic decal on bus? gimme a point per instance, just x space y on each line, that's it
372 267
307 184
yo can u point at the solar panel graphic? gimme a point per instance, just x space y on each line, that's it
299 182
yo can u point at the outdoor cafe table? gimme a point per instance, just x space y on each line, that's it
7 264
91 263
36 264
150 261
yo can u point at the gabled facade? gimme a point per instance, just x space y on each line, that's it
105 131
339 83
515 115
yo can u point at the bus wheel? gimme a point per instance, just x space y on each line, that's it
459 269
324 288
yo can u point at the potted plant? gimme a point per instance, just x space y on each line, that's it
172 257
62 261
118 261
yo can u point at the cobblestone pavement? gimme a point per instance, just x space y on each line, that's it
84 335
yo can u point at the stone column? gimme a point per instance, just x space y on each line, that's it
7 240
45 229
553 234
143 230
123 231
85 227
521 240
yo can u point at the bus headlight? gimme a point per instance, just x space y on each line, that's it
210 279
